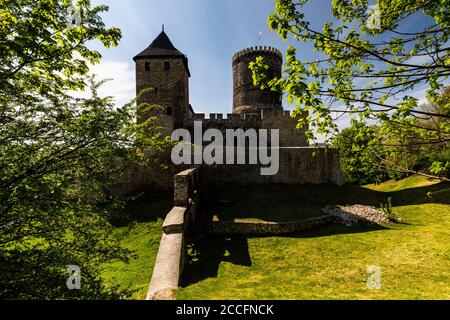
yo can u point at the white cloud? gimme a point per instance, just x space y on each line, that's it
121 86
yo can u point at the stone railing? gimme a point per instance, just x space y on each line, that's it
177 226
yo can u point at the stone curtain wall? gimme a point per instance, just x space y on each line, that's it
157 177
177 226
297 166
303 165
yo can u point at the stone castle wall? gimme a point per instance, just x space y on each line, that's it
297 165
302 165
177 227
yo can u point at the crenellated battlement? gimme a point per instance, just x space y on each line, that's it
265 119
263 50
264 114
246 97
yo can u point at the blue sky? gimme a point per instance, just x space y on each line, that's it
209 32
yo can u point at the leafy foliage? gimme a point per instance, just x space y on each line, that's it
377 153
356 146
369 70
43 51
59 154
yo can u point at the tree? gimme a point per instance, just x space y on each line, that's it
370 69
44 45
356 146
57 153
415 146
419 145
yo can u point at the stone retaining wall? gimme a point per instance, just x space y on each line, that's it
267 228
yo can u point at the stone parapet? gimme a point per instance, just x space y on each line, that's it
265 50
177 226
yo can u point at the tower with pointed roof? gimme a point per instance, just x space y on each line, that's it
164 70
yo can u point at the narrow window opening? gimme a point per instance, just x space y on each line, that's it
147 66
166 66
169 111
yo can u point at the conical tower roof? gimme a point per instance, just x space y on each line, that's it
161 46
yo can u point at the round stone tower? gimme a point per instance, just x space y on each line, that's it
246 97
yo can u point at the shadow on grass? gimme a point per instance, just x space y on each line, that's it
335 229
419 195
279 203
208 253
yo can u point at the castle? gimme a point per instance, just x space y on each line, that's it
165 71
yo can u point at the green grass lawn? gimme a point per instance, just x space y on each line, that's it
330 262
139 230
